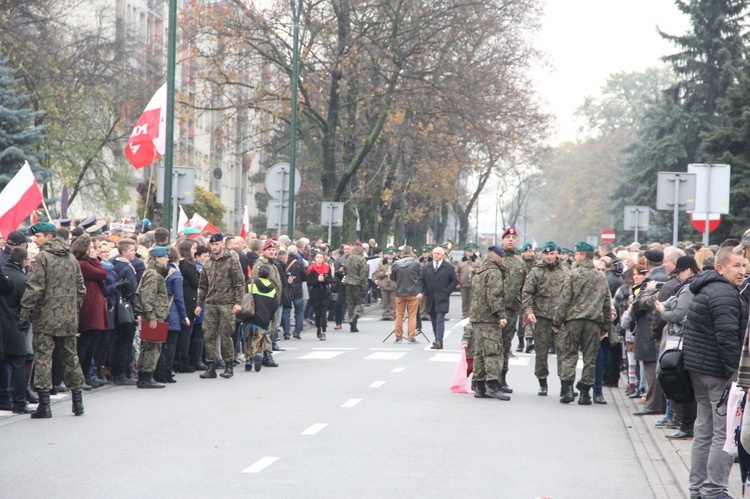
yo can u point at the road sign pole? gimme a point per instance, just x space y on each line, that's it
330 222
708 203
637 223
675 221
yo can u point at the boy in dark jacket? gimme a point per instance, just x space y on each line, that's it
264 293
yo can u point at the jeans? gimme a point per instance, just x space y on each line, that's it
438 325
123 347
602 361
12 381
299 310
709 464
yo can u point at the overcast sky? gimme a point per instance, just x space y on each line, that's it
587 40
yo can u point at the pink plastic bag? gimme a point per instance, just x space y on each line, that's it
458 385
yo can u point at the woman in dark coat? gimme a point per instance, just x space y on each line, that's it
190 278
319 280
93 316
13 344
177 317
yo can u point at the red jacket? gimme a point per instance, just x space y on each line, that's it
93 314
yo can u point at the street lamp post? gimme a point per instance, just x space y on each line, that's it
296 14
169 149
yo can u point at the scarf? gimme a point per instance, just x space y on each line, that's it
320 269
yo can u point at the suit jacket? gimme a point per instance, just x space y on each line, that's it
438 286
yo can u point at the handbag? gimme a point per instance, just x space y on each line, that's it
124 313
673 378
248 306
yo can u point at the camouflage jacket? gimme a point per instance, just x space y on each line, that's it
151 299
542 288
466 270
487 304
222 280
585 295
357 270
275 278
382 274
514 273
54 290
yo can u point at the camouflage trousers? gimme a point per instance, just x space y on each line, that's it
465 300
509 331
544 338
149 355
218 322
584 334
488 351
355 299
255 341
528 332
44 345
389 303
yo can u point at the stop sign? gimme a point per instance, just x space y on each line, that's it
699 221
608 236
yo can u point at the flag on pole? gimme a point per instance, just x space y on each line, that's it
182 221
203 225
20 198
64 202
148 140
245 223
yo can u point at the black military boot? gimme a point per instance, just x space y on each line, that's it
481 390
542 387
228 371
504 386
43 410
353 324
268 360
77 403
210 371
146 380
567 397
494 390
529 345
585 398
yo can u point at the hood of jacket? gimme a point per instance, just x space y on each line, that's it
706 278
264 285
487 265
161 269
57 247
404 262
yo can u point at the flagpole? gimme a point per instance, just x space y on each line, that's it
49 217
169 150
148 191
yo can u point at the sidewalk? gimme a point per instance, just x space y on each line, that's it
666 463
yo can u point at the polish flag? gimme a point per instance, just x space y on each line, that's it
245 223
20 198
148 140
203 225
182 221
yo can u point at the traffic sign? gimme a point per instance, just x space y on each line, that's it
699 221
608 236
277 181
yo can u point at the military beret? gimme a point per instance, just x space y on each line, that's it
549 246
358 243
88 222
42 227
584 246
654 256
497 250
216 238
64 222
16 238
158 251
526 247
510 231
267 245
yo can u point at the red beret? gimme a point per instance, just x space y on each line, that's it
510 231
268 244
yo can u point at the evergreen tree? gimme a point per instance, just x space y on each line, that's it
20 138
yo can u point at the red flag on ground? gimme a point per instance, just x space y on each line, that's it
148 140
20 198
245 223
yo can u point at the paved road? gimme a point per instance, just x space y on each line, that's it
348 416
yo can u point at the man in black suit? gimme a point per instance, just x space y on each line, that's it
438 280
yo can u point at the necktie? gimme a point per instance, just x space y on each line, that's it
436 266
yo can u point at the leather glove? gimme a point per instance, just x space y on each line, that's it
24 325
123 284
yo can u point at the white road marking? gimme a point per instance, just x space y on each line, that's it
328 354
260 465
377 384
519 361
446 357
385 355
314 429
398 370
334 348
389 349
351 403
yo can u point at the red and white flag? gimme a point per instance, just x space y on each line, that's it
20 198
182 220
148 140
245 223
203 225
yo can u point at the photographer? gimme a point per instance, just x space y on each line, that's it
296 277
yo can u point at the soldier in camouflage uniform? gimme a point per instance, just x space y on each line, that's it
355 282
221 285
487 318
152 304
514 274
54 295
527 254
541 293
466 267
584 311
382 278
424 260
267 257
